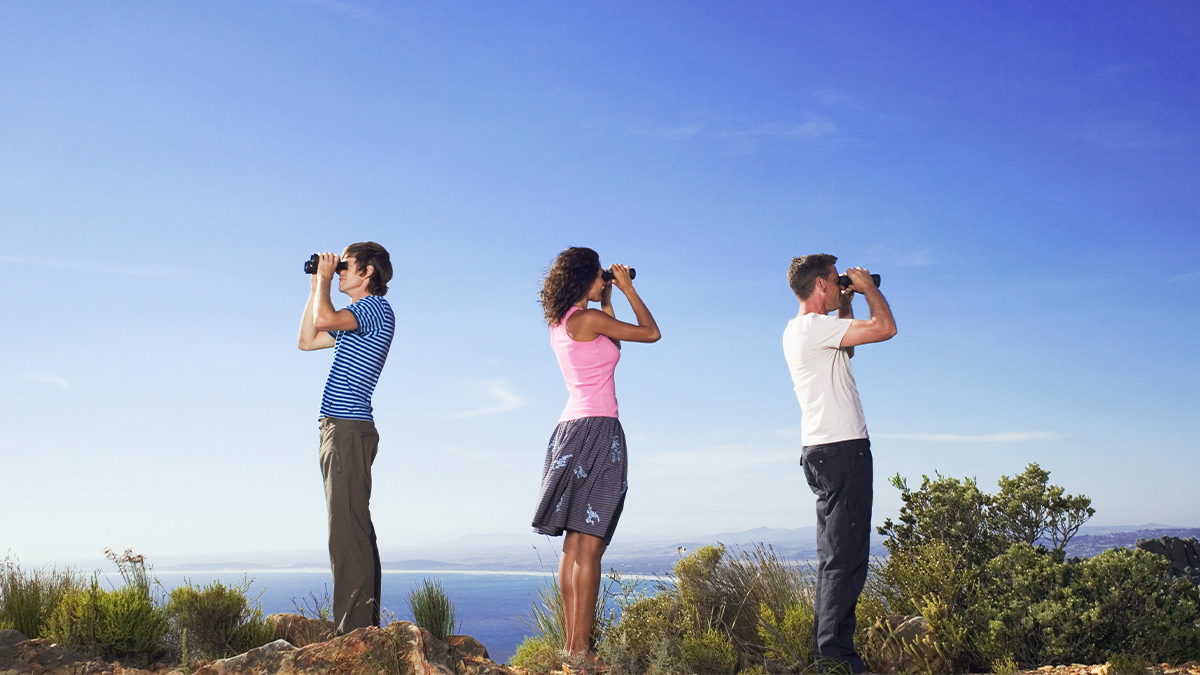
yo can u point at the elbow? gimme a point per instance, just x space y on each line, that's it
890 332
654 336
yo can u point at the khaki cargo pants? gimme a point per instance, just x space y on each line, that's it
348 449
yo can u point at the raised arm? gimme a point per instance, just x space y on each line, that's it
846 311
319 314
589 324
881 326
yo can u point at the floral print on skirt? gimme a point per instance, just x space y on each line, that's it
584 478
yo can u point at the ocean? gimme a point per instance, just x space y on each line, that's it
489 605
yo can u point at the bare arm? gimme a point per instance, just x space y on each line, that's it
588 324
846 311
319 314
606 306
881 326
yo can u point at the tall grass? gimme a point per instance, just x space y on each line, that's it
432 609
28 597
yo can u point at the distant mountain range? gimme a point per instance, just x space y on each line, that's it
632 554
1090 544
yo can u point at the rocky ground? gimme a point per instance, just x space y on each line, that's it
306 648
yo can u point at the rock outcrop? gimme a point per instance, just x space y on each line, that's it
400 647
301 631
17 653
1183 554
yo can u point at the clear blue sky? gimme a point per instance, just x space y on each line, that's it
1025 176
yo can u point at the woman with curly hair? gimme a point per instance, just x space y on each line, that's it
584 478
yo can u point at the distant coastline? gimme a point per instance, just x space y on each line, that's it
534 556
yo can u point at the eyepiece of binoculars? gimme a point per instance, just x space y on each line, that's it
844 281
310 265
607 274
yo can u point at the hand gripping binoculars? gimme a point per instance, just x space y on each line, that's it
607 274
844 281
310 265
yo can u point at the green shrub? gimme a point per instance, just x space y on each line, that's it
709 652
1127 664
1132 606
27 598
970 564
1005 665
536 655
649 630
432 609
788 640
122 624
755 602
730 590
220 620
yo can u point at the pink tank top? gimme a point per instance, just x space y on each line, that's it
587 368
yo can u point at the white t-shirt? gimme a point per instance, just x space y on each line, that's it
825 386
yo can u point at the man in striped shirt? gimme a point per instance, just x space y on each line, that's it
360 335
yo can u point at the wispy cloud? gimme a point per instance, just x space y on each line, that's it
173 274
60 382
506 401
1002 437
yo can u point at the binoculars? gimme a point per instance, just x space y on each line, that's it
607 274
844 281
310 265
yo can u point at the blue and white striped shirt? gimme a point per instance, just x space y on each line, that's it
358 357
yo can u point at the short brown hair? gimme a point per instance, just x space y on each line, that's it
805 270
368 253
569 279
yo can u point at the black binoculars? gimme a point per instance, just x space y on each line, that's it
607 275
310 265
844 281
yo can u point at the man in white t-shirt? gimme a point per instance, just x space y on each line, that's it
837 451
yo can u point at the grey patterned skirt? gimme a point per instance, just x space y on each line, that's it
584 478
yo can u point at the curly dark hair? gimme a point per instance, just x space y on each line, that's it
569 279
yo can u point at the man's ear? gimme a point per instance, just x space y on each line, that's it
369 272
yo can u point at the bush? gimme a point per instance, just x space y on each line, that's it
432 609
709 652
753 606
28 598
536 655
789 639
219 620
649 631
122 624
971 564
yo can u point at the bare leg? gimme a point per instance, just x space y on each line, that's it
586 551
566 584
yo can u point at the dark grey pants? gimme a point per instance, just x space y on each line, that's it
348 450
840 475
